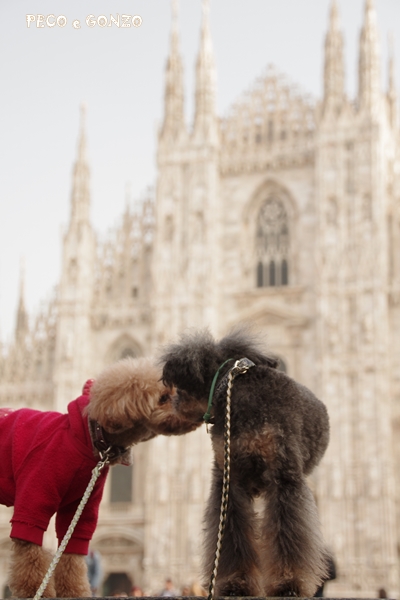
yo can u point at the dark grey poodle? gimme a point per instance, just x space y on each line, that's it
279 432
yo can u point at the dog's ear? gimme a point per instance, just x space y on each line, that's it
125 392
191 362
242 342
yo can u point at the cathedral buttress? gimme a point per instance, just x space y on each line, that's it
186 206
187 251
353 153
204 218
170 195
76 286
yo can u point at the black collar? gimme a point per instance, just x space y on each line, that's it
100 443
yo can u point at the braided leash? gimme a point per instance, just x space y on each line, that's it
95 475
240 366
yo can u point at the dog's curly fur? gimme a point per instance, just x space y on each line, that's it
132 405
279 432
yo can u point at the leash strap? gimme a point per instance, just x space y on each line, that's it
241 366
95 475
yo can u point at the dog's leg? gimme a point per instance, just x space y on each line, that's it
29 564
292 549
238 572
71 577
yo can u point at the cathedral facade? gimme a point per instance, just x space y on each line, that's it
284 214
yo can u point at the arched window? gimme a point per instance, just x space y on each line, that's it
284 273
272 244
260 274
272 277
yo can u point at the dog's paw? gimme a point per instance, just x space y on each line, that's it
285 591
237 587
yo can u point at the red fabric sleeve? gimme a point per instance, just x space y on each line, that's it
27 532
40 490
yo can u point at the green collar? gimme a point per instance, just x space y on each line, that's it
207 415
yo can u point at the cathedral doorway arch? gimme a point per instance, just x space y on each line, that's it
121 558
117 584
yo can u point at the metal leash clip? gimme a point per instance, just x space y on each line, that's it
105 456
242 366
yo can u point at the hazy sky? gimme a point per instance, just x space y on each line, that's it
46 73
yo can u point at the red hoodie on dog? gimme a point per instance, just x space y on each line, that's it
46 465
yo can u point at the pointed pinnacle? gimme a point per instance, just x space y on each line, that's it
205 6
334 15
174 11
83 109
128 195
82 137
22 279
206 45
369 5
370 12
174 27
174 15
370 27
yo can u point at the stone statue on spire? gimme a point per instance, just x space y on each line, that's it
21 326
369 93
334 65
205 124
80 197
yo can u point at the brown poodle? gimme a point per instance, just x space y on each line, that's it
47 460
279 432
